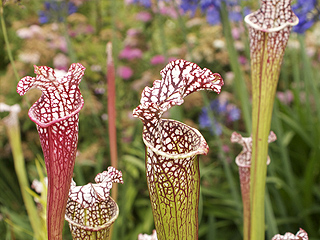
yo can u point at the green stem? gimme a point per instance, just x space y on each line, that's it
20 168
6 40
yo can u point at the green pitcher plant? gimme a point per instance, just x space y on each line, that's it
90 210
56 115
243 160
172 149
269 30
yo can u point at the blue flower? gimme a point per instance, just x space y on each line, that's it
234 113
224 112
56 11
144 3
218 106
213 15
205 4
212 9
205 122
189 5
308 12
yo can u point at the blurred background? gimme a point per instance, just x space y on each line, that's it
146 35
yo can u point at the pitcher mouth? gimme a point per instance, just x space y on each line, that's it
96 228
200 145
47 124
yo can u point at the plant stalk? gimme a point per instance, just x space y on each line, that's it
13 130
6 40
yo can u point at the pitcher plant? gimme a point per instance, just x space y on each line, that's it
301 235
243 160
269 30
90 209
56 115
172 149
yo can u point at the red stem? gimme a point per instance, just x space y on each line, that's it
112 114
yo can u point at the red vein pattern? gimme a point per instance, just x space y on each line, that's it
173 180
56 114
90 194
301 235
179 79
269 30
172 149
90 210
273 15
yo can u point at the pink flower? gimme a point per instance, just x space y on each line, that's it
285 97
242 60
59 43
158 59
144 16
133 32
30 32
167 9
130 53
61 62
125 72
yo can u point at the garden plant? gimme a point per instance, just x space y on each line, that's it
97 64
